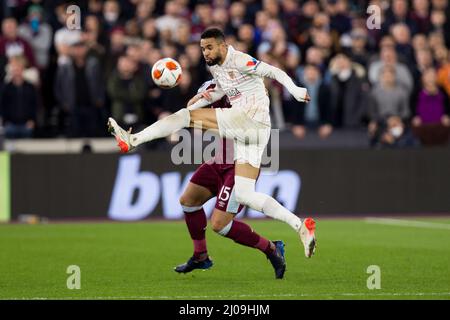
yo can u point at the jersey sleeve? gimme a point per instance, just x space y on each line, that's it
245 63
249 65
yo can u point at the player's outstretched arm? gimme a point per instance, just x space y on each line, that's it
205 98
269 71
252 66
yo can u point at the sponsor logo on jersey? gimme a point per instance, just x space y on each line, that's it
233 93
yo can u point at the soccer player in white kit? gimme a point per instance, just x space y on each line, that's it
240 77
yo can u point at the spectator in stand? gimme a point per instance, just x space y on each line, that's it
197 69
12 45
183 36
436 40
438 21
340 21
237 17
18 102
262 24
394 134
178 96
116 48
348 93
387 98
246 35
315 115
278 48
431 122
388 57
291 34
314 56
126 88
221 20
432 102
79 92
272 8
95 8
398 13
170 20
144 10
402 38
64 37
149 31
443 77
111 15
424 61
291 18
309 10
440 56
38 34
420 42
322 39
92 37
357 51
421 15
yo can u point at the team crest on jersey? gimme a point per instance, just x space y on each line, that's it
231 74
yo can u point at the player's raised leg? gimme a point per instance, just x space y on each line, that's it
224 224
183 118
192 201
245 180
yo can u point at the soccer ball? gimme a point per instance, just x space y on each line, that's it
166 73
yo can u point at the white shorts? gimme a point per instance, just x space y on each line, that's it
250 137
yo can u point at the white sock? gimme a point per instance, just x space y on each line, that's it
162 128
245 194
274 209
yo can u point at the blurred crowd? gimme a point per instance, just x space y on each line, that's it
63 74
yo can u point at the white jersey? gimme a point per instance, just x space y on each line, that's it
240 80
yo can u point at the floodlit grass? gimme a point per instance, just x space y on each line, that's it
136 260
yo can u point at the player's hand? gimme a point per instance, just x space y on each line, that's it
207 94
307 97
300 94
194 99
202 95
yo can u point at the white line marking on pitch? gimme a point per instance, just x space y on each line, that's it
408 223
304 295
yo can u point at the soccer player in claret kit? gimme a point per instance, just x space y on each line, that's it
215 177
239 77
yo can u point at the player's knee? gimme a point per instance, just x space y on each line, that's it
220 226
187 201
217 225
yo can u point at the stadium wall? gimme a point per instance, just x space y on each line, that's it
148 185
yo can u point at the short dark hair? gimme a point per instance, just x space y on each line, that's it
215 33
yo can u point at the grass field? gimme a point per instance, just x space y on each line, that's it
136 260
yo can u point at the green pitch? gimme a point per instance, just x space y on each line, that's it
136 260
